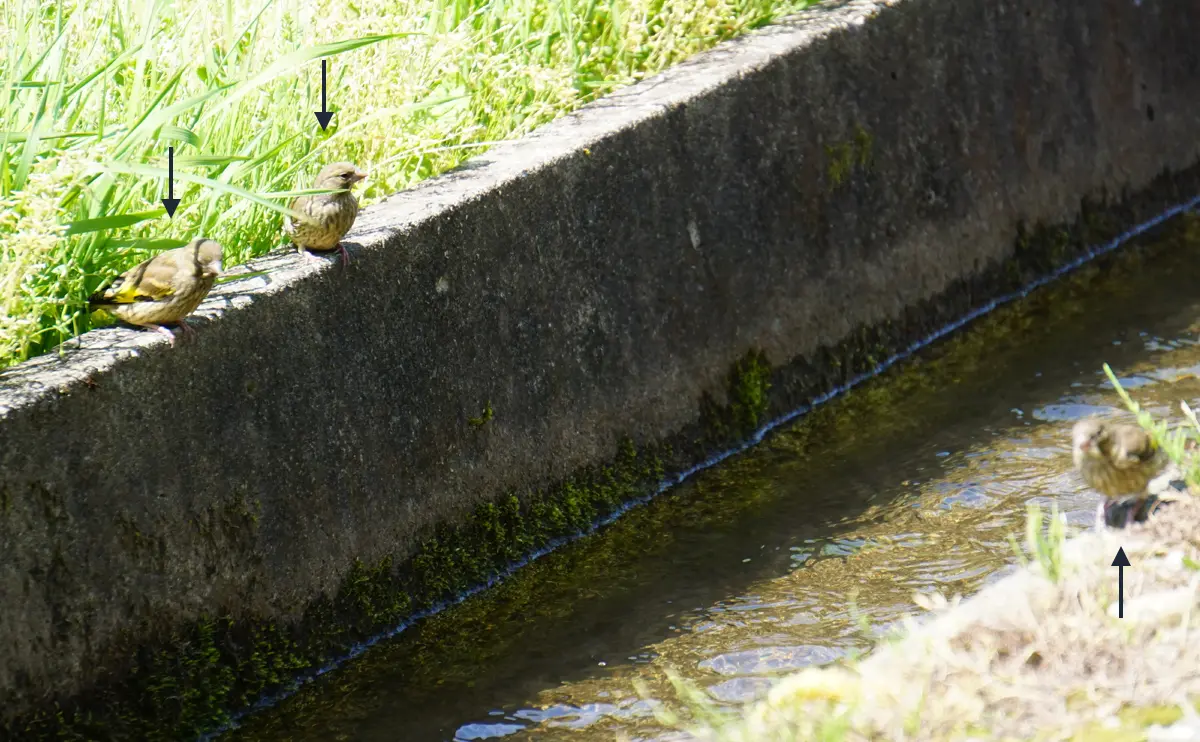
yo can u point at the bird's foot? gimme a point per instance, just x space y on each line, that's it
170 335
345 255
308 256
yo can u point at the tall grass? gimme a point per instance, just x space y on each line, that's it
95 92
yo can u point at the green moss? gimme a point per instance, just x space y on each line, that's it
846 157
479 422
192 682
748 385
863 145
841 162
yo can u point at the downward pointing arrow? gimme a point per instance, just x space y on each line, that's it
323 116
1121 562
170 203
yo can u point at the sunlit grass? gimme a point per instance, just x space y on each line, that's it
95 92
1178 442
1044 544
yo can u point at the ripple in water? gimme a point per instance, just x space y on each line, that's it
804 549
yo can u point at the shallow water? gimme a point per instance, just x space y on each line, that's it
803 549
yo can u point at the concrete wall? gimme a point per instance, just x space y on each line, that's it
590 281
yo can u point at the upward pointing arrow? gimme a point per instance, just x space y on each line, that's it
1121 562
324 115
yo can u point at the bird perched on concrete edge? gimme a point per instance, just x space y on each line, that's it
164 289
330 215
1115 459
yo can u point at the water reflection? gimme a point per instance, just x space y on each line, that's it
802 551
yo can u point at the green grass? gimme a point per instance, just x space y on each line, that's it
1044 544
95 92
1175 440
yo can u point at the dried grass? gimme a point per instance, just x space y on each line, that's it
1027 658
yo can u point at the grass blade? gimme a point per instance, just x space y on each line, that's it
116 221
288 63
216 185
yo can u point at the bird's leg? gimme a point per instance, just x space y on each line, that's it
187 329
345 255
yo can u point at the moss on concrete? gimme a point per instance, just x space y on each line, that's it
222 665
747 387
195 681
845 158
484 417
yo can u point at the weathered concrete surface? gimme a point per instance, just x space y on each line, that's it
589 281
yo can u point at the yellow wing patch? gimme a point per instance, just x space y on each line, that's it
131 291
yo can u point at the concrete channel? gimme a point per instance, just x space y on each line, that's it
522 347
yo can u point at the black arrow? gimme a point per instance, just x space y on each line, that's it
170 203
323 115
1121 562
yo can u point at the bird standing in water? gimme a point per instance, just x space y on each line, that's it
330 215
1115 459
164 289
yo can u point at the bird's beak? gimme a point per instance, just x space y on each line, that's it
358 175
1086 446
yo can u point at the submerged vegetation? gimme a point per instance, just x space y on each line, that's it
94 93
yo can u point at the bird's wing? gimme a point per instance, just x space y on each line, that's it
1134 447
302 204
151 280
295 205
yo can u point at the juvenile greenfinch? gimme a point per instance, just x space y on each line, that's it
164 289
1115 459
1118 461
330 215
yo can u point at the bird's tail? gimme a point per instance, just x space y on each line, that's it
97 301
103 296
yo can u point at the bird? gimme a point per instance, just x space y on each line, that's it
1166 488
330 215
1115 459
164 289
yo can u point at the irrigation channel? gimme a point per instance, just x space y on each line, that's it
800 550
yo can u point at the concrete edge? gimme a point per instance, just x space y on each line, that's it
383 225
